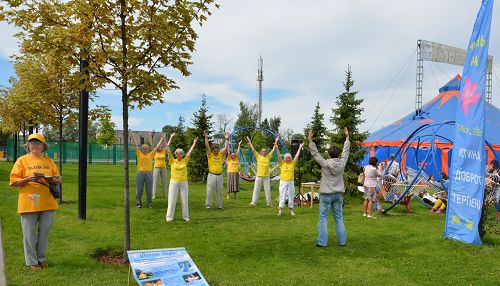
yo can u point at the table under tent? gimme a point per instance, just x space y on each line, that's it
423 143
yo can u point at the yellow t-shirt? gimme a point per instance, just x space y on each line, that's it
34 197
287 170
215 163
178 169
232 164
160 159
145 161
263 164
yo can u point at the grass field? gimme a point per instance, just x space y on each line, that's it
242 245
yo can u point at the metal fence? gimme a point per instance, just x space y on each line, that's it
97 153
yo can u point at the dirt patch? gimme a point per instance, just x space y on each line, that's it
109 256
111 260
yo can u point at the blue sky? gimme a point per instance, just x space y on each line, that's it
306 47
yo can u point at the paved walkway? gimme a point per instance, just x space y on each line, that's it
3 281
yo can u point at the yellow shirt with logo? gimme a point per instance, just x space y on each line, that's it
263 164
232 164
215 163
144 161
178 169
287 170
160 159
34 197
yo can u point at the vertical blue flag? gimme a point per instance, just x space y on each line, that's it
468 162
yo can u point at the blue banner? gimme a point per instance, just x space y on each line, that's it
468 162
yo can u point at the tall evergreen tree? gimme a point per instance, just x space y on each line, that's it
348 114
310 170
179 140
198 165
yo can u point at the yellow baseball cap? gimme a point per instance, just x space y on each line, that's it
37 136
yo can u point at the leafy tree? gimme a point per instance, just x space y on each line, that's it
348 114
310 169
106 135
222 123
198 165
247 118
179 140
125 43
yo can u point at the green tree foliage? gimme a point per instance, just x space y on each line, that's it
198 165
179 140
126 44
347 113
310 170
106 131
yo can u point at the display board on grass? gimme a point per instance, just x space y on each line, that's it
168 266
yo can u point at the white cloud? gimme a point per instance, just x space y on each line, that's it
307 46
134 123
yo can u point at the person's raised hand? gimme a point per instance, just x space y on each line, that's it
226 135
310 136
346 132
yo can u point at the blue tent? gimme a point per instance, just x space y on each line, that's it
439 110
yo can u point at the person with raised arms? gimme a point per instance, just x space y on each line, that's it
178 180
287 186
331 189
144 174
160 170
215 179
263 173
233 173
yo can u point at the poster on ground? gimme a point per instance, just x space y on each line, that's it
168 266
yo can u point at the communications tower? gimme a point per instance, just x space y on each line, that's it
260 79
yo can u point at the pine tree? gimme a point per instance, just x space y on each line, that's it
198 165
348 114
310 170
179 140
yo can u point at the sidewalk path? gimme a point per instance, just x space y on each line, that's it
3 281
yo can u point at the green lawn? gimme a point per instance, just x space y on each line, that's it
241 245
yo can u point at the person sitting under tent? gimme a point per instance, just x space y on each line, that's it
233 175
287 187
441 197
263 173
391 176
215 180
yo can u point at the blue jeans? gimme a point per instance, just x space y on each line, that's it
334 202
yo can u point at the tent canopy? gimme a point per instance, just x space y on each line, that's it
441 109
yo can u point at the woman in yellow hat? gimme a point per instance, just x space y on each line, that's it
32 173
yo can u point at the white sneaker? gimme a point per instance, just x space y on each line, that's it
208 207
370 216
252 204
292 213
169 219
187 219
364 214
279 212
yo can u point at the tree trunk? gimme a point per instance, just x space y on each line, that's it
60 152
126 203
